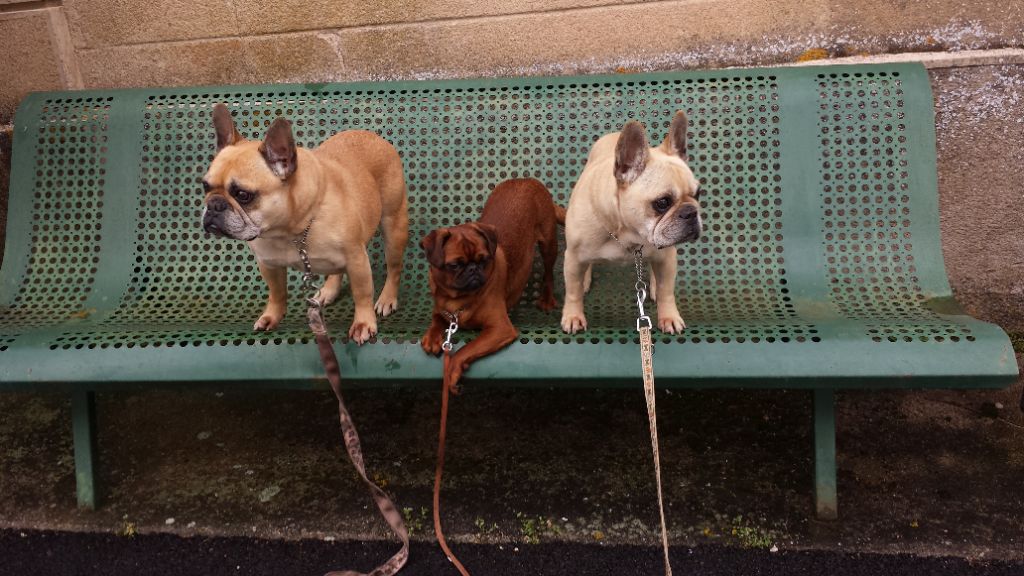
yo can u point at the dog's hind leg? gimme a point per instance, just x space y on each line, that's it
549 253
395 227
331 288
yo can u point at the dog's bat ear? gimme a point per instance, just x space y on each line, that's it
631 152
675 140
224 126
278 148
433 246
490 234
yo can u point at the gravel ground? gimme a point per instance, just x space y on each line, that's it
922 472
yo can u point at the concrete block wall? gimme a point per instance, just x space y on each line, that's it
126 43
58 44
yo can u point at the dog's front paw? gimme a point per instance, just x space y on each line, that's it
386 304
573 322
269 320
671 323
431 342
362 330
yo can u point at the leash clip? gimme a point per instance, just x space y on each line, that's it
642 319
643 322
453 327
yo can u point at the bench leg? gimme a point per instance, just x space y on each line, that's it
83 426
825 498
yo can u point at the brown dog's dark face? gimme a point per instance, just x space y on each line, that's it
461 257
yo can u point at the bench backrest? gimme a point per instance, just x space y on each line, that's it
821 201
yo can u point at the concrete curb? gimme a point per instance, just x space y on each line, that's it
931 60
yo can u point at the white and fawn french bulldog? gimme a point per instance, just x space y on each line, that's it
646 197
267 193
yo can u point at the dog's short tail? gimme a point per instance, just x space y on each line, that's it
560 214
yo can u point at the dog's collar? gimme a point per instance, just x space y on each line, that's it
312 290
636 249
301 240
452 316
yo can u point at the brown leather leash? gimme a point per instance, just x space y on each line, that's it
387 508
453 326
643 326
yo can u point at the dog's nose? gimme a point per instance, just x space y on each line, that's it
688 212
217 204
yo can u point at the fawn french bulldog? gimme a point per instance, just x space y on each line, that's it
631 196
270 193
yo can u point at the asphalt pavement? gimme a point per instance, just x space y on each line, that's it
30 553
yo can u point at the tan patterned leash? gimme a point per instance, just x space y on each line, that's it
643 326
387 508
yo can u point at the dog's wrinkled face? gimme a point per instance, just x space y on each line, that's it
248 183
461 257
658 194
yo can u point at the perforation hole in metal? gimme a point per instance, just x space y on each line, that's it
865 199
456 144
70 142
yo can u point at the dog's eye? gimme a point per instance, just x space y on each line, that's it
243 196
453 266
661 205
206 186
696 195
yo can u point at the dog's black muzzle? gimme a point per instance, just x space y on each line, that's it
212 218
470 278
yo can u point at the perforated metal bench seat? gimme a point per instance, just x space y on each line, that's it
821 266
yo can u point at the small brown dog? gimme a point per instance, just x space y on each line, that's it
478 270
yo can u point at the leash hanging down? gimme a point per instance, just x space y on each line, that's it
643 326
453 327
354 448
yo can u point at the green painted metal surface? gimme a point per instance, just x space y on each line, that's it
821 266
826 501
83 431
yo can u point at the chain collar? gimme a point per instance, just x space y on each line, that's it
311 289
641 286
624 246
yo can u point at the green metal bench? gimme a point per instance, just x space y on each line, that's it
821 267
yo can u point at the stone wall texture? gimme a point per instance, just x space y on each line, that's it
54 44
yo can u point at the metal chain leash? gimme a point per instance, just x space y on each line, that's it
311 289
